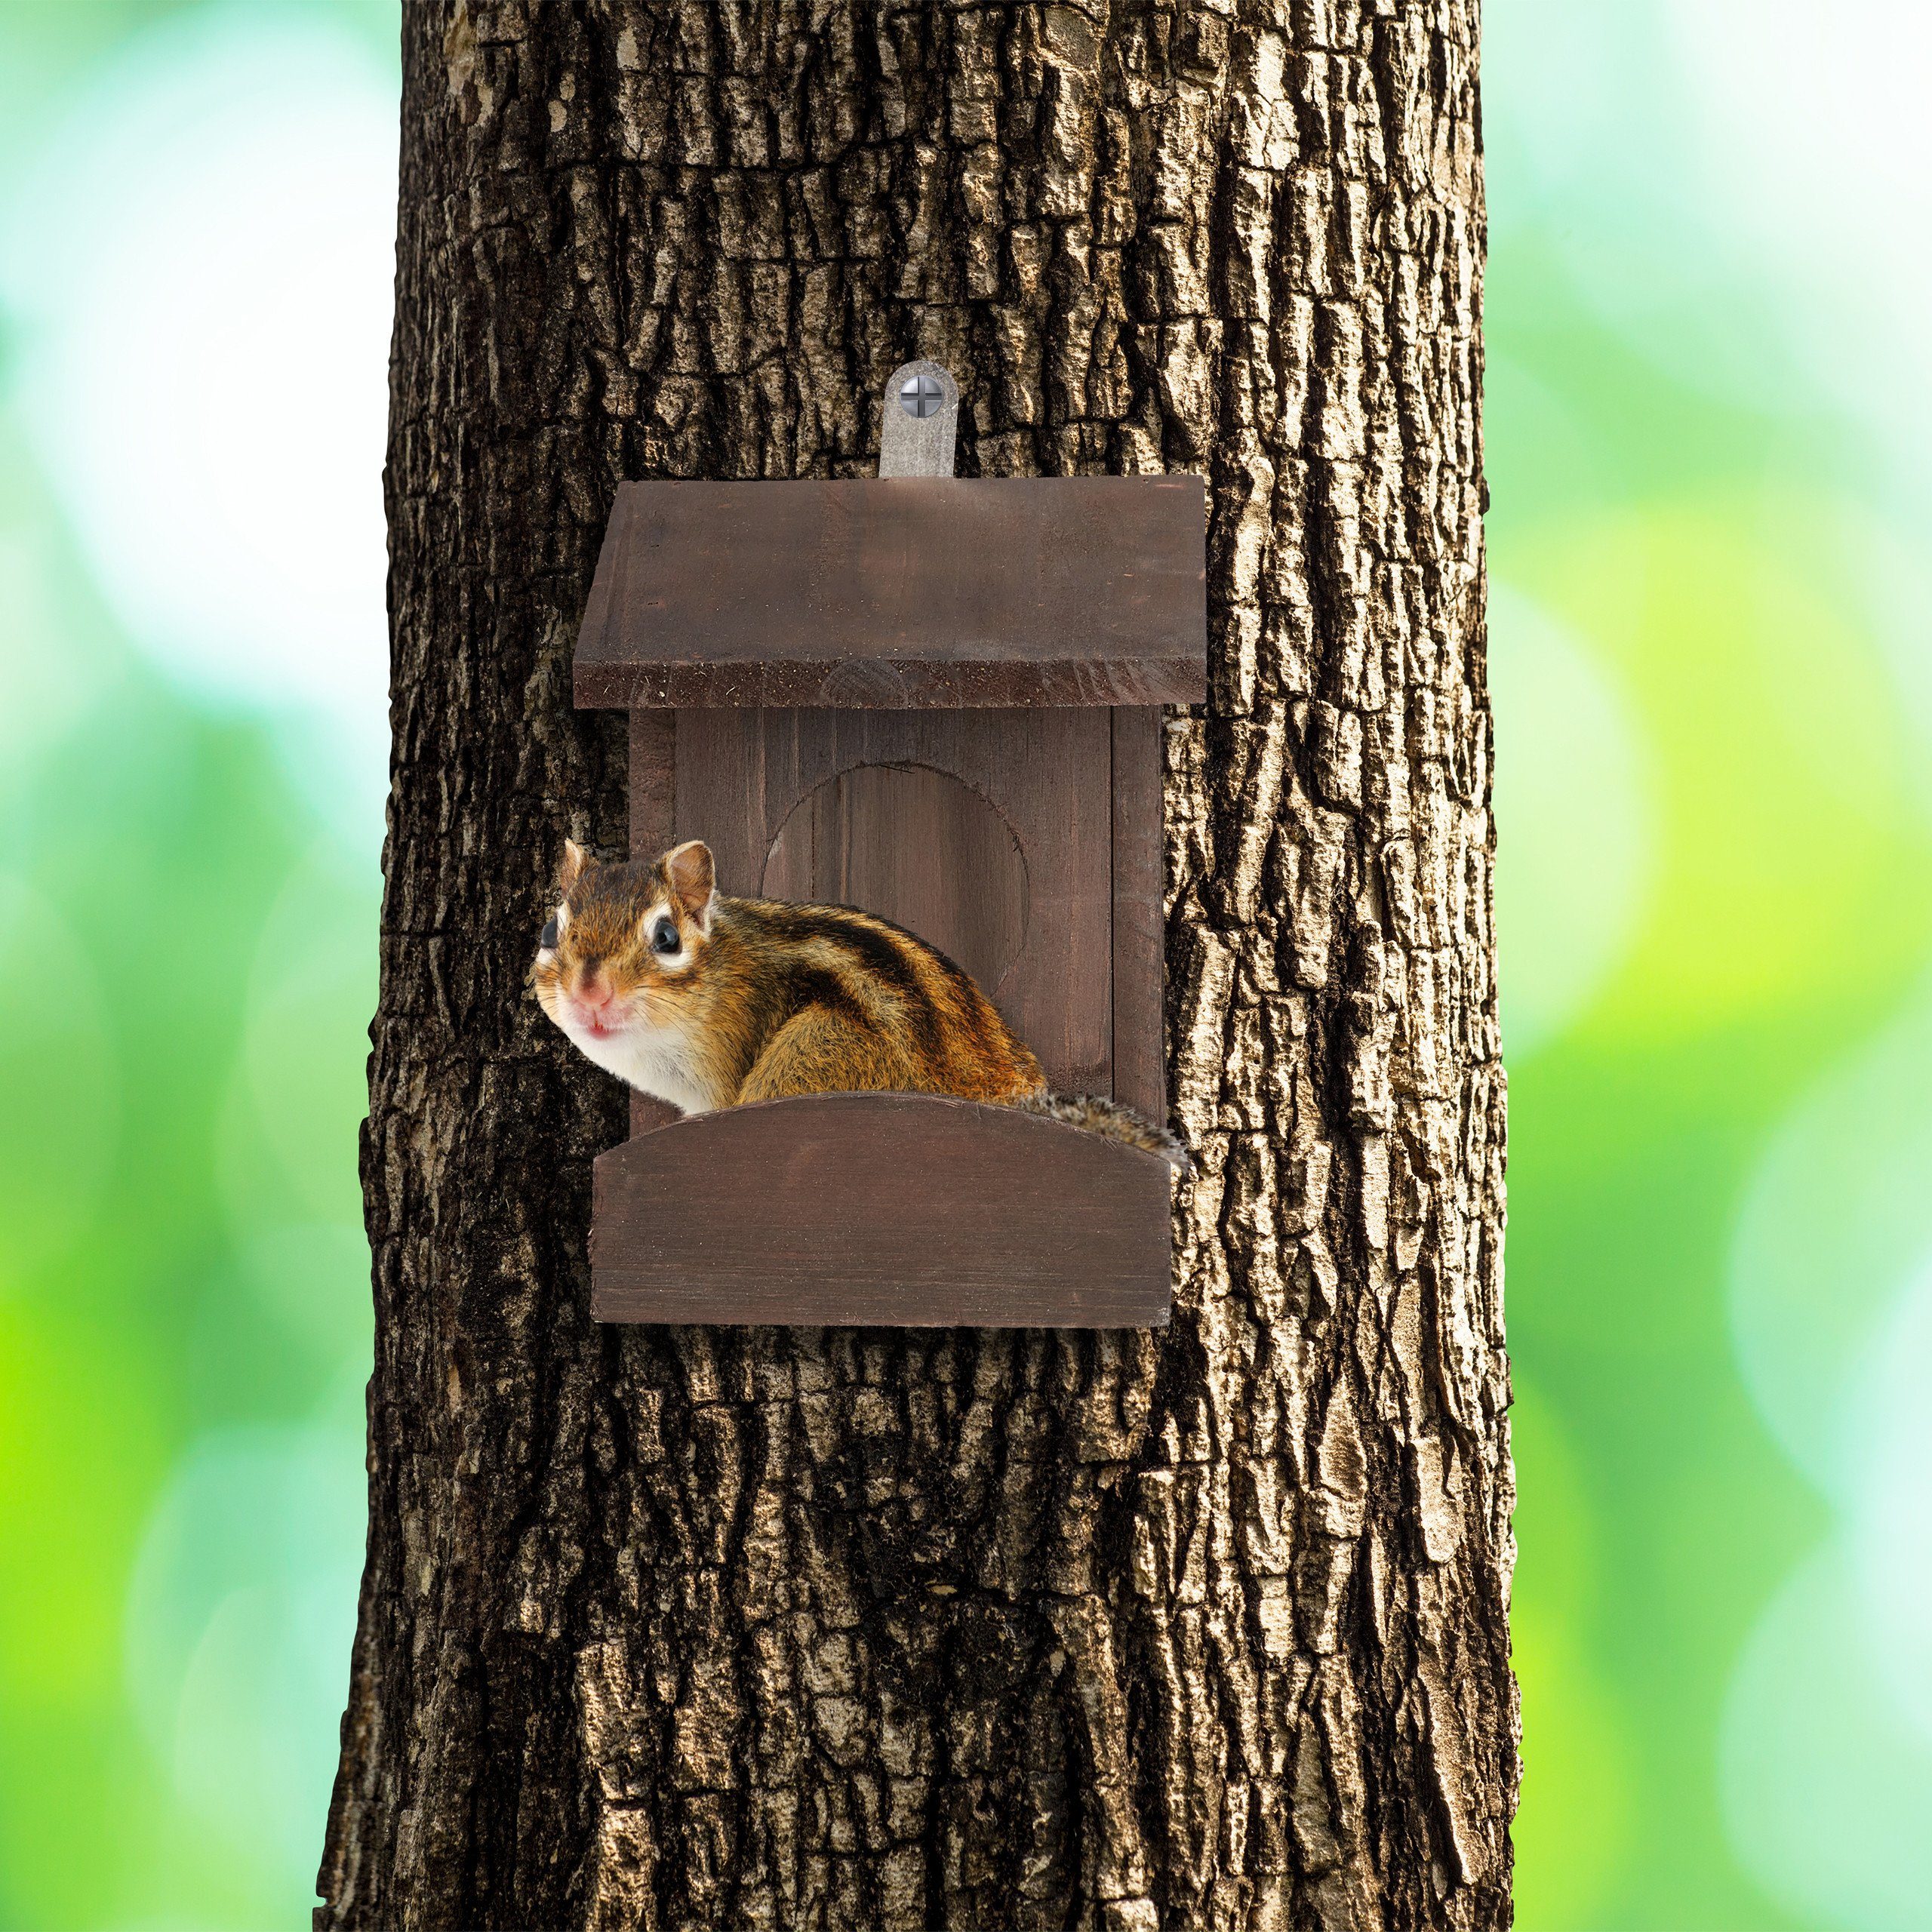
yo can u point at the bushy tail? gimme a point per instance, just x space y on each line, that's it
1110 1118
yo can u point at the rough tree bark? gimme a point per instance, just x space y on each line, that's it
702 1628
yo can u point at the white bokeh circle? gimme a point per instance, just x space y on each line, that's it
240 1612
1833 1228
1575 816
201 272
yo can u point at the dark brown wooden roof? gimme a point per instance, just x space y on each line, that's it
900 592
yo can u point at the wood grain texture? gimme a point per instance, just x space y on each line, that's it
1139 1070
653 789
918 591
917 846
846 1209
1047 773
894 1632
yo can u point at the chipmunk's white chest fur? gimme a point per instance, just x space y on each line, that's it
654 1060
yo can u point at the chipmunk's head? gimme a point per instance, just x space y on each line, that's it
619 958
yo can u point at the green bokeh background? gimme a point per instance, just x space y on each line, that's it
1707 417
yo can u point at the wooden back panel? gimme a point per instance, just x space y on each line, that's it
1045 776
915 845
939 911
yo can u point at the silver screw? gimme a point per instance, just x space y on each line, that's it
920 396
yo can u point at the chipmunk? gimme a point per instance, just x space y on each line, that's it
708 1002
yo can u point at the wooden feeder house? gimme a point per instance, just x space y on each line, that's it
939 700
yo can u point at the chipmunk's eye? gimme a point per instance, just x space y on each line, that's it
547 939
664 936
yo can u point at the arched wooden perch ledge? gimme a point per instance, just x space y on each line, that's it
906 1209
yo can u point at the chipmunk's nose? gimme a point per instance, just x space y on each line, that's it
594 991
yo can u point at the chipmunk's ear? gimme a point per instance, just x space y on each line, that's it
572 869
693 882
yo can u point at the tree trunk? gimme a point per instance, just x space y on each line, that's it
700 1628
